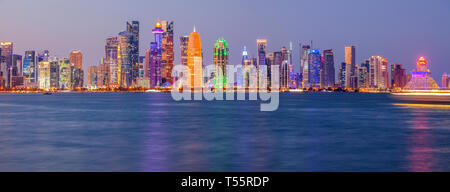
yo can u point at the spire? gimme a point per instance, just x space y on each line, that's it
194 29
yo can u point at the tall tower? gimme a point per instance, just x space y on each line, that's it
184 40
220 63
111 48
304 65
195 60
378 72
133 28
167 53
30 66
76 59
327 72
124 59
156 56
261 47
315 61
284 69
349 64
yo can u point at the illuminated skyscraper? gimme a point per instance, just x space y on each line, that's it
304 65
184 40
65 73
133 28
342 74
92 76
284 69
11 68
350 64
111 53
44 74
167 53
30 66
54 73
195 60
76 59
261 47
421 77
315 61
378 72
124 59
270 62
327 72
248 63
220 63
154 65
363 75
6 48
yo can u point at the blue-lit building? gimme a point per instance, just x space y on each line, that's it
315 61
30 66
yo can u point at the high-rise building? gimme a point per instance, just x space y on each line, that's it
184 40
124 59
363 76
270 62
6 48
304 65
327 72
92 76
12 68
248 73
65 73
44 75
284 69
314 61
111 59
30 67
77 78
261 47
398 76
350 64
133 29
167 57
195 60
221 53
378 72
54 73
342 74
76 59
154 65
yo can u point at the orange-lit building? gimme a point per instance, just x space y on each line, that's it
76 59
195 61
421 77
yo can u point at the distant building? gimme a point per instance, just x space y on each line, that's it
363 76
378 72
133 28
92 76
124 57
350 64
284 69
304 65
6 48
44 74
65 73
315 61
12 67
111 59
342 74
184 40
445 81
54 73
398 76
327 72
220 58
421 77
167 56
76 59
195 60
30 67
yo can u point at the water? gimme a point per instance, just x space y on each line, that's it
151 132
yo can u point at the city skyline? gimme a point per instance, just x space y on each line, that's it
399 45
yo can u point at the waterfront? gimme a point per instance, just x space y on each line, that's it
151 132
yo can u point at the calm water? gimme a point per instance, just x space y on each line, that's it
151 132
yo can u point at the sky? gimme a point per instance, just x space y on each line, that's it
400 30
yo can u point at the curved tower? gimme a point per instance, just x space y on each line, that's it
194 60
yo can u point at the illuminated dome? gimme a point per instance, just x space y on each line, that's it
158 25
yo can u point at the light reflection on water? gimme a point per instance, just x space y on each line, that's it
151 132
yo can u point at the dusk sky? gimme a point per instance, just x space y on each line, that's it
401 30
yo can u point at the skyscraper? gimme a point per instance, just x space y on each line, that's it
11 68
350 64
44 74
184 40
167 53
124 59
195 60
54 73
6 48
154 65
30 67
284 69
261 47
327 72
76 59
378 72
315 61
304 65
220 63
111 53
342 74
133 28
65 73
